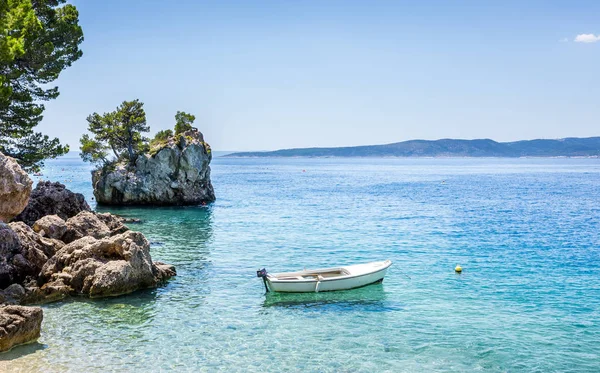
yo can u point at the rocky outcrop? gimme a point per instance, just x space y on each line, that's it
14 294
176 172
35 248
85 224
115 223
52 199
23 253
19 325
45 294
101 258
44 258
9 262
51 226
110 266
15 188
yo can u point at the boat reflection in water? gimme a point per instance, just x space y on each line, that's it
369 298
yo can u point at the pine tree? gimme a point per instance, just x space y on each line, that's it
119 131
38 40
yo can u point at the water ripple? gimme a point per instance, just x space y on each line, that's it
526 232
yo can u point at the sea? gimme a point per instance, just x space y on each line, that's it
525 231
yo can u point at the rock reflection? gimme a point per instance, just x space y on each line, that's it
131 309
181 237
185 231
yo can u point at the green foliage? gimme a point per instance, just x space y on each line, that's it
38 40
161 137
183 122
119 131
154 149
160 140
93 151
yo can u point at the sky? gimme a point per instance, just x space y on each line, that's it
264 75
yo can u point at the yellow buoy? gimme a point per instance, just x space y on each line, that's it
458 269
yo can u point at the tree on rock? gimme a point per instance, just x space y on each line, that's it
183 122
119 131
161 136
38 40
93 151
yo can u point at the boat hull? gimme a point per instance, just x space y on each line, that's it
331 284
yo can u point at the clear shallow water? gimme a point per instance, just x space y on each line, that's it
526 231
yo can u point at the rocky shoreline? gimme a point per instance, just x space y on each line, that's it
53 246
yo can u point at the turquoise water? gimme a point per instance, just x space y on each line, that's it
526 231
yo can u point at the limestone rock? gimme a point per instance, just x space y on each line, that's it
51 226
13 294
36 248
84 224
52 199
15 188
23 253
114 223
51 292
9 249
164 271
176 173
19 325
106 267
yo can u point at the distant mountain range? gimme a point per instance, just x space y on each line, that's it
568 147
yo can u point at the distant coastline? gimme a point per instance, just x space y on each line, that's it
568 147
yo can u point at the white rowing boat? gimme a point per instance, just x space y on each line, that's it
325 279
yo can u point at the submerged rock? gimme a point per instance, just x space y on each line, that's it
52 199
175 173
15 188
19 325
110 266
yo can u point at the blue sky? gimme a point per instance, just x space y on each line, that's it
263 75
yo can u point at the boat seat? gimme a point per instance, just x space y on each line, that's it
289 278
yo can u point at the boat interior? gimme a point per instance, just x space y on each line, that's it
312 275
